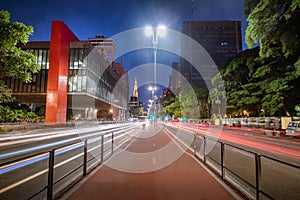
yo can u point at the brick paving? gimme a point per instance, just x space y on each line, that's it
184 178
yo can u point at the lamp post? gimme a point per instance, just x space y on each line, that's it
155 33
153 100
159 31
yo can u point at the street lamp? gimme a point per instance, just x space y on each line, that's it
159 31
153 89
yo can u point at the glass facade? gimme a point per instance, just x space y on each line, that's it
86 74
89 73
39 80
77 71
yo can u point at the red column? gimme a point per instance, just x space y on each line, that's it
56 101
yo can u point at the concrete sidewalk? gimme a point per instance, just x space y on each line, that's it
184 178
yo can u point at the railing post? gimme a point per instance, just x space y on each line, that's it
102 148
85 158
257 174
194 144
50 175
112 142
204 147
222 161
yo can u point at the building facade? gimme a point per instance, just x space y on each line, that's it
105 46
75 80
221 39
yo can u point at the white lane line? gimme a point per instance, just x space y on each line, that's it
46 170
49 135
22 181
224 185
6 155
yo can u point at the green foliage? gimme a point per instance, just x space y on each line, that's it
137 111
5 96
18 115
191 102
188 103
17 63
266 77
174 108
274 25
6 114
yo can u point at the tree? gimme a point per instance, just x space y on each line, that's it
243 90
17 63
174 108
188 103
137 111
274 26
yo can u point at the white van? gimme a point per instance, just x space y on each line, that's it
293 128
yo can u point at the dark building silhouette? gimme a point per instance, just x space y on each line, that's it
221 39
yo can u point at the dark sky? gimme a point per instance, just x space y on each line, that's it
110 17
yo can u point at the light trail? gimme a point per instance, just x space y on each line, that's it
54 144
57 165
23 163
42 136
256 142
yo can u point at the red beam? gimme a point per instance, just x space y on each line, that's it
56 102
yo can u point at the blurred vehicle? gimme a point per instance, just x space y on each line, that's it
133 119
236 123
293 128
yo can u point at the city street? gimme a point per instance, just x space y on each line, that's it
279 157
32 169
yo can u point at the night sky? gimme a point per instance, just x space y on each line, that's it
110 17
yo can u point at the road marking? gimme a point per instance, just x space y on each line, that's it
153 160
46 170
22 181
225 186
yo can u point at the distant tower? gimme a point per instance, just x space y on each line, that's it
193 17
134 99
135 89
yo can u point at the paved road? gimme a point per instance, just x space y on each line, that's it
152 165
278 165
23 179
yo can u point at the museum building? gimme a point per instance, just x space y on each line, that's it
75 81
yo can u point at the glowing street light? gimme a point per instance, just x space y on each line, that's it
159 31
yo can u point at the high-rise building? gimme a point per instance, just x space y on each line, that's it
221 39
105 46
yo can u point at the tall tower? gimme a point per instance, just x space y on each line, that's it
134 104
135 89
193 16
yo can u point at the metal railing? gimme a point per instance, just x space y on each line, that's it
82 150
255 175
250 172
